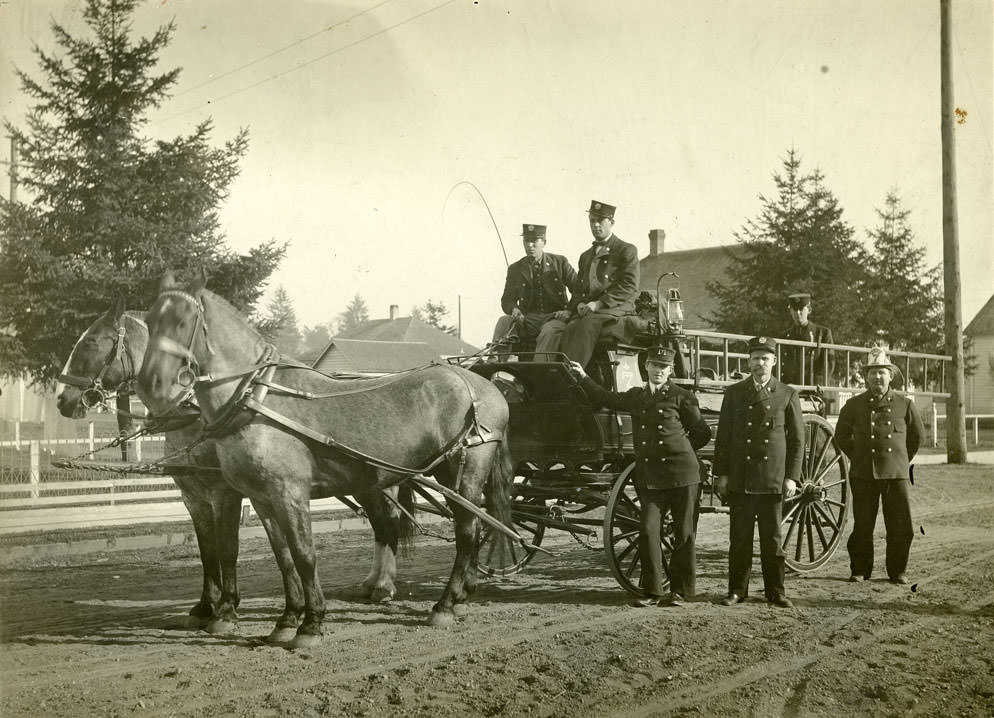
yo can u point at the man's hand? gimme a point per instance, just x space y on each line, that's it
721 484
789 488
583 309
577 369
516 314
562 315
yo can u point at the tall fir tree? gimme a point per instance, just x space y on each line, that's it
798 243
433 313
108 211
279 324
903 295
354 314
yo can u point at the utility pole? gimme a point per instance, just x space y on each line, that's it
955 418
12 173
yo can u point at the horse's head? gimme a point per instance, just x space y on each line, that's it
103 360
177 344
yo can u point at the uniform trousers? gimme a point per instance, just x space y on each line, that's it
867 495
528 326
746 510
575 339
681 502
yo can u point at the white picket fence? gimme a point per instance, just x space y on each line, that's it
36 496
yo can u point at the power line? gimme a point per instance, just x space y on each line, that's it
306 64
274 53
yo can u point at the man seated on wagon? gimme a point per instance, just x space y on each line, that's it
607 284
534 290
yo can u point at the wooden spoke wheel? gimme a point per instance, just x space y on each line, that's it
621 534
499 555
815 517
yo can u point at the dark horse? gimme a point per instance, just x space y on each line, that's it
283 432
104 364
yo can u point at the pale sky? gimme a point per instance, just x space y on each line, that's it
369 119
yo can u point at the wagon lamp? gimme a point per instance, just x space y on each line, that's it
670 311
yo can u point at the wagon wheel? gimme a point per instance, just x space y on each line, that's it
621 534
815 517
500 555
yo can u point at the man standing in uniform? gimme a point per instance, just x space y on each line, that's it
757 458
535 288
668 429
803 330
880 431
607 284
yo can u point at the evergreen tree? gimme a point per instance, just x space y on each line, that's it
434 313
353 315
108 210
313 341
799 242
279 325
903 296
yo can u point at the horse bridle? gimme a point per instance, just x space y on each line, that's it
189 373
93 393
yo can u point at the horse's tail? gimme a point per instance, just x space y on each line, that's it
499 483
406 527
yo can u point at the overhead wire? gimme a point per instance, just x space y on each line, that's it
308 62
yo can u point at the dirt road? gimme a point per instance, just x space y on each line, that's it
103 635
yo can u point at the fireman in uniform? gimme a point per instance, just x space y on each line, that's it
668 429
534 290
804 330
880 431
757 459
607 284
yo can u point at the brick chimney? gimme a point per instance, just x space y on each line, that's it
656 239
393 311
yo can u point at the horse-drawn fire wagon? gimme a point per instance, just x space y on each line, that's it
575 462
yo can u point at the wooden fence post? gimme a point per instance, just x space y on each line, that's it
34 471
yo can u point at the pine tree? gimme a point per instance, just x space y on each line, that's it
798 243
353 315
903 296
434 313
279 325
109 211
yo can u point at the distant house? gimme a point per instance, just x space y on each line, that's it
695 268
409 329
362 356
980 387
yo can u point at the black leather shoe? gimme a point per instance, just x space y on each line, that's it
781 602
647 602
856 578
731 599
672 599
899 579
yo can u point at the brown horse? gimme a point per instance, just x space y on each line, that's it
284 432
103 364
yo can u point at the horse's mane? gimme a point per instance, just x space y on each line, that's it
234 310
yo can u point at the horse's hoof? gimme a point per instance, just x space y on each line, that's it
221 626
281 636
460 610
441 619
187 623
380 595
363 591
305 640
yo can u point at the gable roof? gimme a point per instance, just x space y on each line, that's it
983 323
359 355
695 268
409 329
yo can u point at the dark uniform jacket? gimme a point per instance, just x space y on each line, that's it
519 287
760 440
879 435
618 276
667 429
790 356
